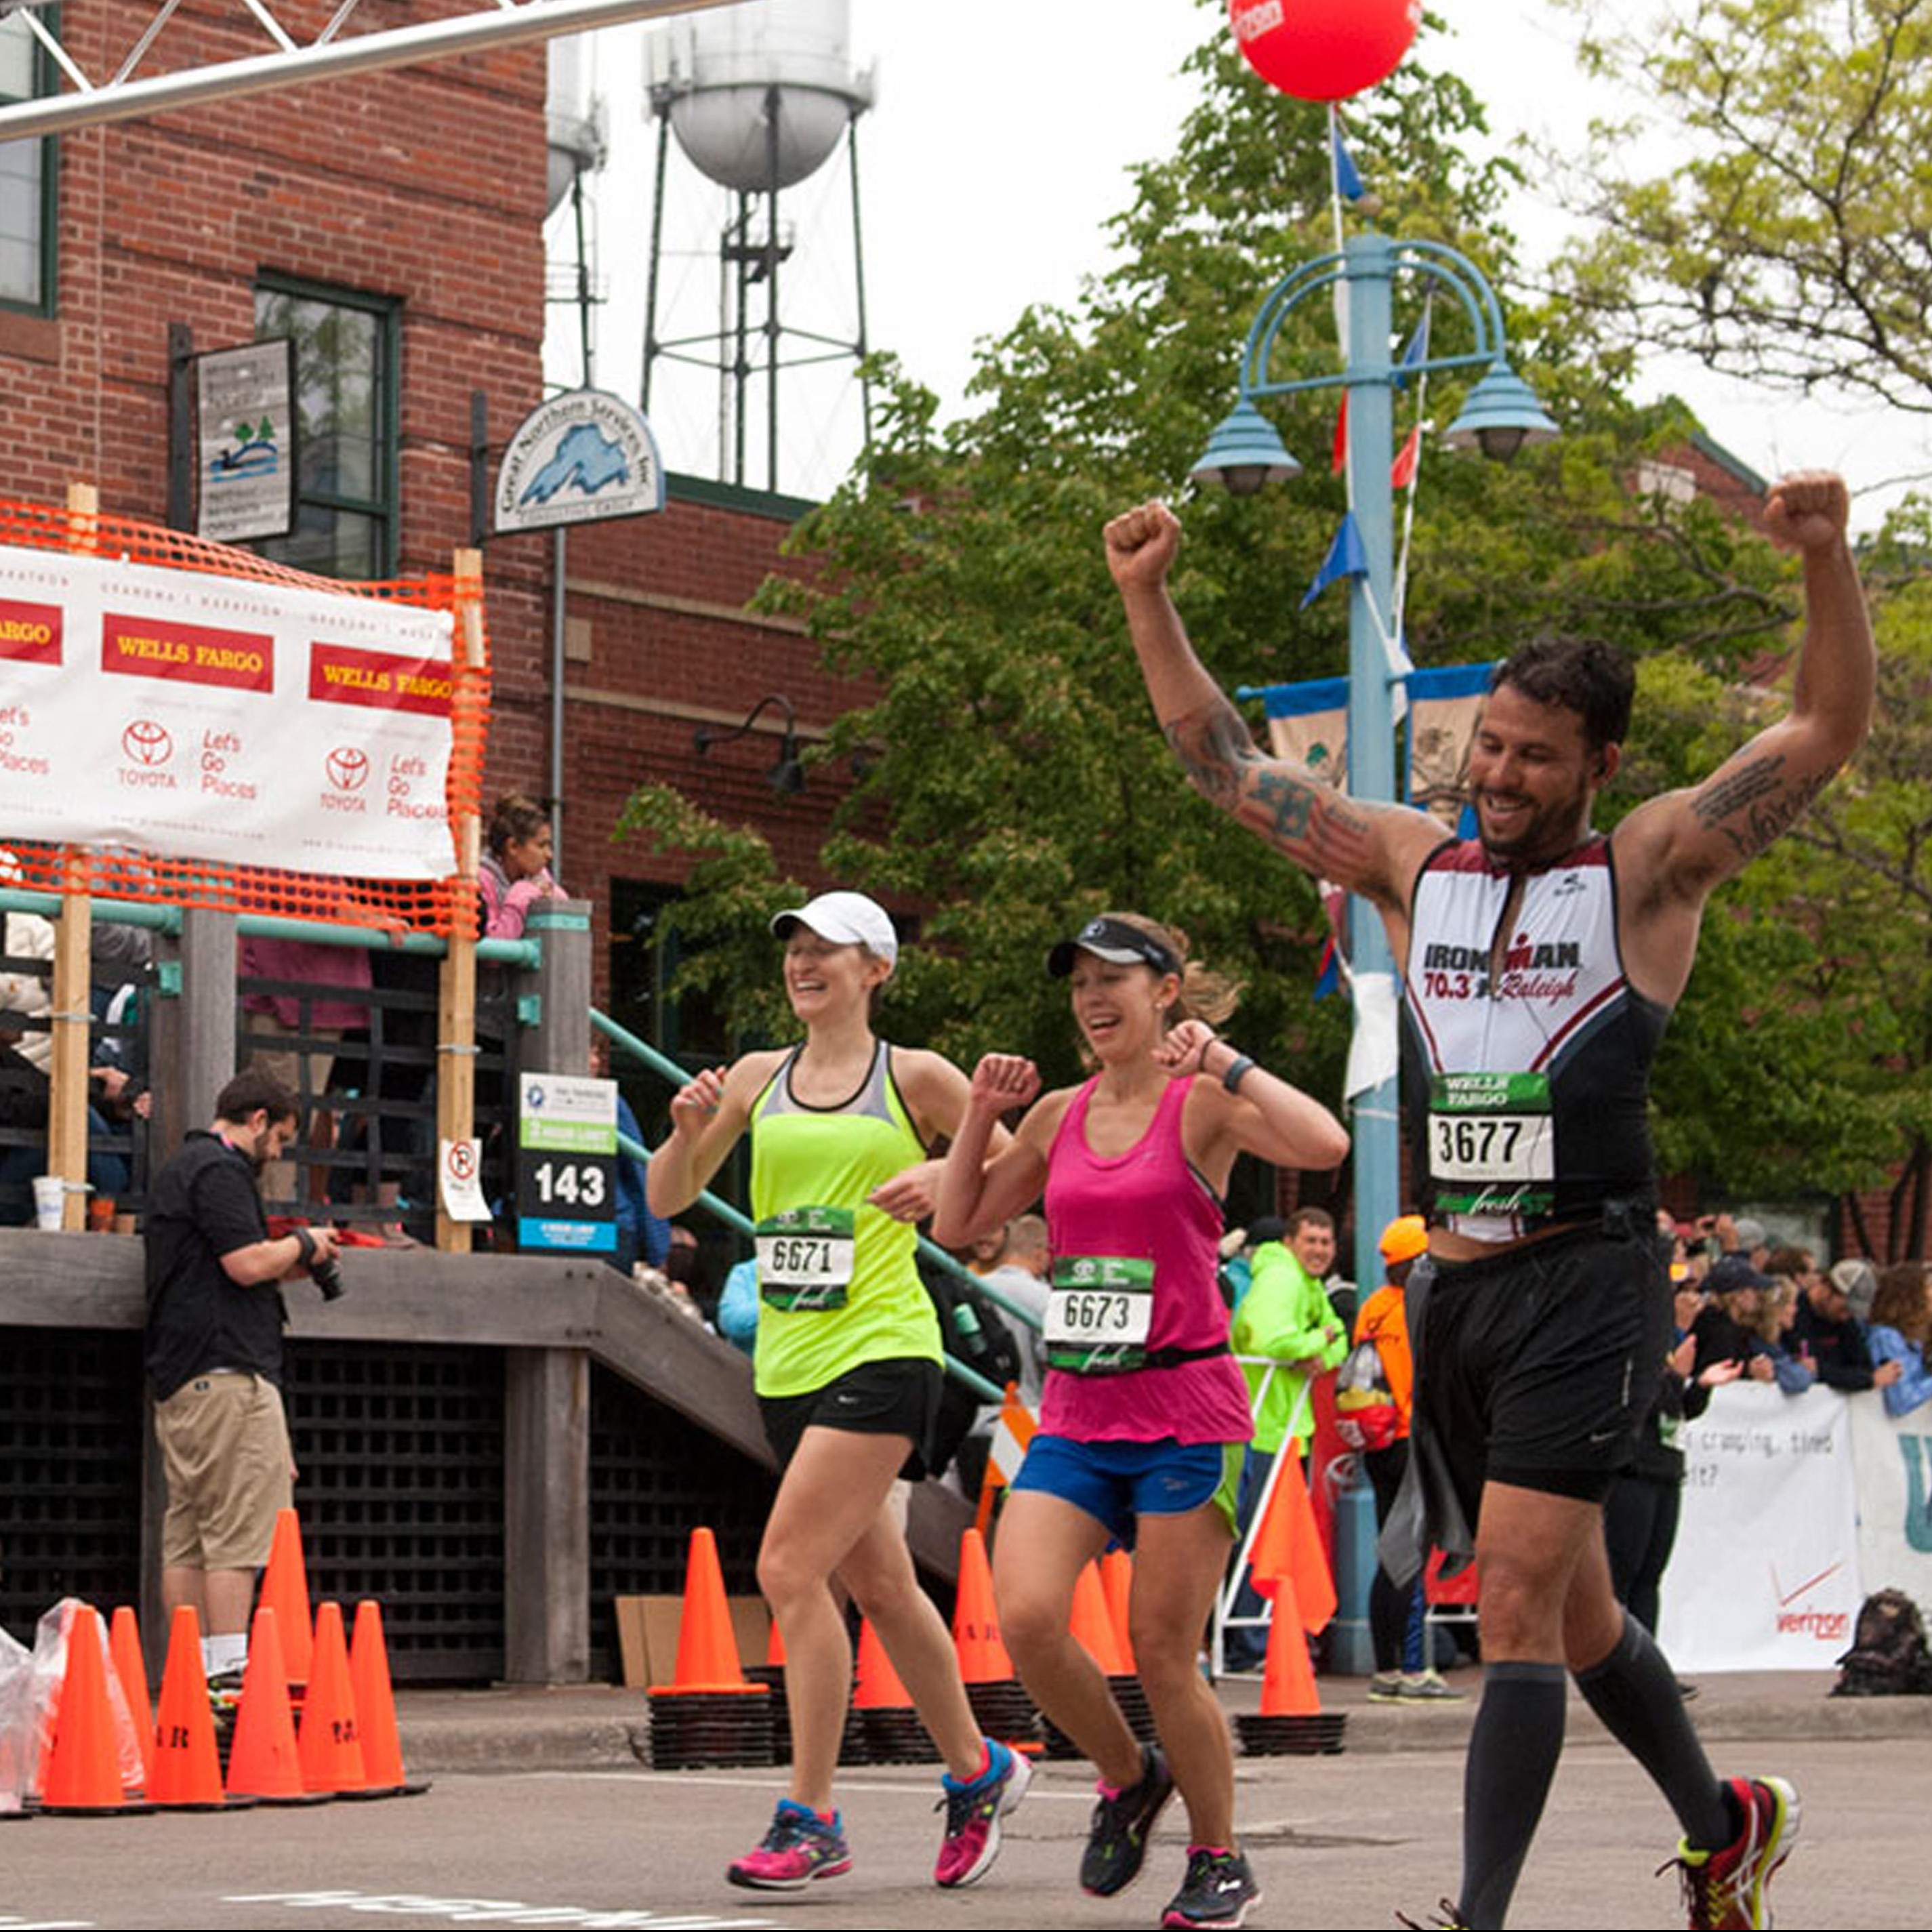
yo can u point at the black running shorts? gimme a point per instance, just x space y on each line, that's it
1538 1367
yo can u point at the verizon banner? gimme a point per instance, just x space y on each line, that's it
210 717
1895 1484
1765 1575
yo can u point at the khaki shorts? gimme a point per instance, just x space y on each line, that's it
225 1451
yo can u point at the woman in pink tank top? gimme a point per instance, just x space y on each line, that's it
1145 1415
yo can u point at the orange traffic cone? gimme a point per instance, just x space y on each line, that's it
1117 1582
83 1772
1093 1627
775 1647
187 1771
879 1688
376 1707
328 1745
264 1761
1288 1679
123 1646
975 1620
285 1591
707 1651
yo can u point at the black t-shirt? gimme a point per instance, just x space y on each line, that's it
1839 1351
204 1205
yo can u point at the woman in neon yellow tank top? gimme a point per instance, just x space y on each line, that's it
848 1369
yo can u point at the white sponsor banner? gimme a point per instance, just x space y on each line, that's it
1765 1575
210 717
1894 1459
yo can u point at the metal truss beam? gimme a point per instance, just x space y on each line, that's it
124 96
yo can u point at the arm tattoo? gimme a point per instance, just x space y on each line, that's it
1755 806
1289 807
1212 747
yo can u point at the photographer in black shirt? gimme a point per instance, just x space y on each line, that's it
214 1357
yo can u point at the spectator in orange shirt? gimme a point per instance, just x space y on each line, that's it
1373 1397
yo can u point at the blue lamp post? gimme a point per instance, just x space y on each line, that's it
1499 416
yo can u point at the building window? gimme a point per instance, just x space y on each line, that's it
28 215
346 484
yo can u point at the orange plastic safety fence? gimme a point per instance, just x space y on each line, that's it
433 906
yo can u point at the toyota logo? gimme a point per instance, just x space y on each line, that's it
348 768
147 742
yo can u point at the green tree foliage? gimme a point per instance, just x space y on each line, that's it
1014 782
1770 212
1801 1058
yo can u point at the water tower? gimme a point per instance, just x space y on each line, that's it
760 96
575 146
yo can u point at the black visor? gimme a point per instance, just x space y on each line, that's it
1114 941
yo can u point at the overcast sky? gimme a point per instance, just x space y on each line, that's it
998 147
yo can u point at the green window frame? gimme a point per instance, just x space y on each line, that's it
347 427
29 186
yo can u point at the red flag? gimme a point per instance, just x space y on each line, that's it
1406 464
1339 462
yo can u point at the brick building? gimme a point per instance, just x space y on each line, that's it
393 224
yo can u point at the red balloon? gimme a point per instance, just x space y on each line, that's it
1324 50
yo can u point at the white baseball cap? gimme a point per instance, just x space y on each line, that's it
846 918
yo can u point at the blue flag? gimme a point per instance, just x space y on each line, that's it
1346 558
1347 181
1418 351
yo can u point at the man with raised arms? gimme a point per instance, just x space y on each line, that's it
1540 961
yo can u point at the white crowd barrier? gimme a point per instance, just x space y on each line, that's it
1794 1508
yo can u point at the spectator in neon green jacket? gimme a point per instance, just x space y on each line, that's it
1286 1315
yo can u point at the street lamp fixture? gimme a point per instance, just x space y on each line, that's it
1500 416
1244 453
786 777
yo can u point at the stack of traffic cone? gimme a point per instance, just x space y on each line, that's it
710 1715
1291 1722
771 1674
328 1744
890 1725
285 1591
264 1761
1117 1582
82 1776
123 1646
187 1771
376 1707
1288 1565
1092 1623
1000 1705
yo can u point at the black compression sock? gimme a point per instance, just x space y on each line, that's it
1512 1752
1633 1691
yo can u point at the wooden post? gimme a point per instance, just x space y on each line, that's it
547 1516
70 1011
561 983
71 1016
191 1049
456 1006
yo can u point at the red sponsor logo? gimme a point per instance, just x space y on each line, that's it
348 768
341 674
30 633
146 743
1831 1626
191 653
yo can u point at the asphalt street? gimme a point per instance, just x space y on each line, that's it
1340 1841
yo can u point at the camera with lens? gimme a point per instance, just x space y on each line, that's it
326 1273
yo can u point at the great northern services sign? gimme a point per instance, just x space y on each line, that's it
578 459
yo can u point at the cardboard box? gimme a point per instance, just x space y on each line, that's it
647 1633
